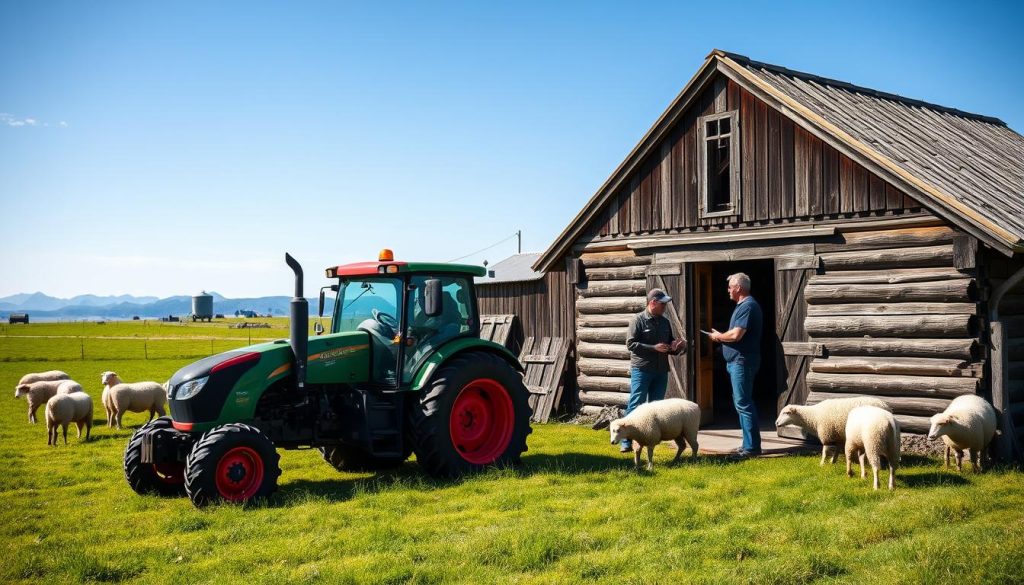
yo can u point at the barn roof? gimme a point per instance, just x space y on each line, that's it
512 269
966 168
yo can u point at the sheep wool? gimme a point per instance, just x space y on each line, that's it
873 433
48 376
120 397
672 419
969 422
64 409
826 420
37 393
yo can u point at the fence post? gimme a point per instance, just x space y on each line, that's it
145 349
81 341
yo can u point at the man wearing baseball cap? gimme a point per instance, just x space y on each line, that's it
650 342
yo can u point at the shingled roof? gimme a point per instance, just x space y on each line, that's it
967 168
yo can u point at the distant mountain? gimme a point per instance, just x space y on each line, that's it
40 305
41 302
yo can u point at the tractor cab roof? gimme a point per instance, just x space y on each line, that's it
387 265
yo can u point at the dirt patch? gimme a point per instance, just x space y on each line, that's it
921 445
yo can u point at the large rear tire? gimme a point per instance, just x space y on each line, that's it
232 463
473 415
165 479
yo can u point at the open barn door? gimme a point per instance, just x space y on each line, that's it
795 359
672 279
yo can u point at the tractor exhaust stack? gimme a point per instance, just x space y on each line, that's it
298 324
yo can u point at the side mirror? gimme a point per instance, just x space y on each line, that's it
320 311
432 297
318 328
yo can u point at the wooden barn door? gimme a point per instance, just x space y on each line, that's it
790 311
672 279
704 348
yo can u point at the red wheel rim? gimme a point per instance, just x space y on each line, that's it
239 474
482 421
169 473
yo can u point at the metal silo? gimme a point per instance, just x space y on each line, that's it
202 307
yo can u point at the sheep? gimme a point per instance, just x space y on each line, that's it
120 397
48 376
873 433
37 393
969 422
63 409
672 419
827 420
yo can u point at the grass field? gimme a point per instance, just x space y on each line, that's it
574 512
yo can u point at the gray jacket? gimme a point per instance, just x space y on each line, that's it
645 332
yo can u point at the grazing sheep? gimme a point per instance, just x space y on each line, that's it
873 433
48 376
64 409
37 393
672 419
826 420
120 397
969 422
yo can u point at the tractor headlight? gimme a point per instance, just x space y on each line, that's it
190 388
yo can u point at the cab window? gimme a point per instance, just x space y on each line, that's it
426 334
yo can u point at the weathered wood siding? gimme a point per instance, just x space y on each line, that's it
997 268
545 307
787 175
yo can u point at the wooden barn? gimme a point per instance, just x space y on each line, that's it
883 236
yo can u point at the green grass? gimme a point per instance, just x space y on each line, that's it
574 512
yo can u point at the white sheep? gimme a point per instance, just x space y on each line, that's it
37 393
672 419
873 433
826 420
120 397
47 376
64 409
969 422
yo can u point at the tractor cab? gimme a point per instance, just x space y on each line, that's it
408 310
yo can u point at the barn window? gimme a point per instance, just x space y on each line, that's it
720 164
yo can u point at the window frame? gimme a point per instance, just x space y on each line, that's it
734 164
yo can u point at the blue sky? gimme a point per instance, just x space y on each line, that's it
163 148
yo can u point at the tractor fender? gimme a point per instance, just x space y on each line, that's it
456 347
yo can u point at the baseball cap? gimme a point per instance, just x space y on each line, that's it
656 294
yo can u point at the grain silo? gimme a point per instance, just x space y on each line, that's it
202 307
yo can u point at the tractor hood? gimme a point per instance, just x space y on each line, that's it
226 387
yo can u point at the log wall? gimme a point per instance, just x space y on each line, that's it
894 317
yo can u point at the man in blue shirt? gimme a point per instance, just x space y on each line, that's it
741 347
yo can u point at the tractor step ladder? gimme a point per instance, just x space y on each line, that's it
383 423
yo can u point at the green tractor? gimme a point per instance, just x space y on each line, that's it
403 370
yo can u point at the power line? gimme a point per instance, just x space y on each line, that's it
502 241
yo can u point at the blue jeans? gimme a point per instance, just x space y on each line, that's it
741 373
644 387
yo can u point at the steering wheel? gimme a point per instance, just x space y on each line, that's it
385 319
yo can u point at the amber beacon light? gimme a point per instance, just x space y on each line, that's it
386 255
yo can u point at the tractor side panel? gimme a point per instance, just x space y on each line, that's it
340 358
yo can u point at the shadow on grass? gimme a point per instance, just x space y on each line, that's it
931 479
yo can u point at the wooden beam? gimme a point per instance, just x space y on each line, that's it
896 365
885 385
945 291
802 348
601 383
892 326
888 276
610 259
601 398
907 405
615 368
623 306
602 334
891 238
938 348
893 309
730 252
733 236
586 349
613 288
616 272
919 257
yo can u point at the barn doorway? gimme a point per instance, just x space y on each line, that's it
713 309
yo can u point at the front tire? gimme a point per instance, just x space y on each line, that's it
474 414
232 463
165 479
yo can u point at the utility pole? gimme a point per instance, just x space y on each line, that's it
519 238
